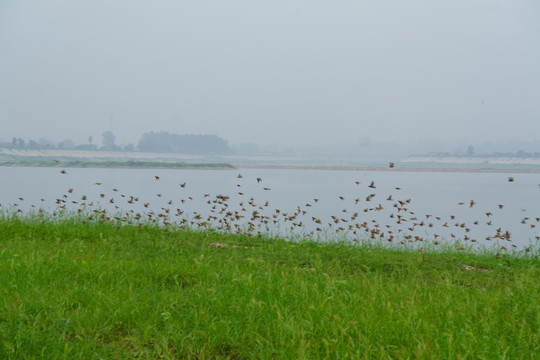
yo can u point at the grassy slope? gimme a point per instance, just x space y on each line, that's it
70 290
45 162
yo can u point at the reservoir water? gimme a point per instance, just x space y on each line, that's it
399 206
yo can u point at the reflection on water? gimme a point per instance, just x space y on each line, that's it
400 207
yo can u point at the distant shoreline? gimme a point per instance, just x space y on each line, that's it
138 160
380 168
200 166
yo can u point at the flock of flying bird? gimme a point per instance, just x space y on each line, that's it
247 217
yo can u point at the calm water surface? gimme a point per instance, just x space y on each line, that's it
346 205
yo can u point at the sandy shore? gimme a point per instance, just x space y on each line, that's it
480 160
399 169
95 155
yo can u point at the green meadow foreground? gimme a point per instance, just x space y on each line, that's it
74 290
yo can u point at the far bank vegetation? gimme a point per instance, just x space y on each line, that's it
163 142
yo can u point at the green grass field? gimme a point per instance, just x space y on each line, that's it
74 290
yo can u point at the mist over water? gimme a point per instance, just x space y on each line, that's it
279 83
398 206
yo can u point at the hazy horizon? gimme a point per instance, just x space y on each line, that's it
288 73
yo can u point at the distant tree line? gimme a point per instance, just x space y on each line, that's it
149 142
184 144
44 144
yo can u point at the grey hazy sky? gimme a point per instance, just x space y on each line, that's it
281 71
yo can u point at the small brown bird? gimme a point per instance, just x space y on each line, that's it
510 179
501 206
239 176
157 177
391 165
472 203
372 185
63 172
183 185
259 180
98 183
